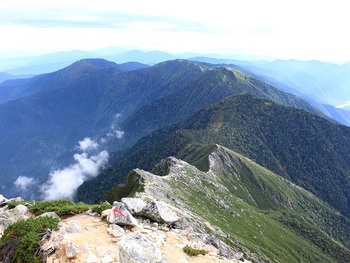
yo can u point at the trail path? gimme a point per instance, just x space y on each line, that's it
95 244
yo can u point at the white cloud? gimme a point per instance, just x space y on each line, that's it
116 133
23 182
87 144
346 104
63 183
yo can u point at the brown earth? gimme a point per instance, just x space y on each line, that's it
94 239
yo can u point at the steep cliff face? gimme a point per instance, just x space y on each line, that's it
246 206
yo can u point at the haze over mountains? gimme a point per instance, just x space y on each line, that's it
322 83
267 134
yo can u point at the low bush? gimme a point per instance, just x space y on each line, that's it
60 207
21 240
193 251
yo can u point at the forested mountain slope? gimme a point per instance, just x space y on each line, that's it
307 149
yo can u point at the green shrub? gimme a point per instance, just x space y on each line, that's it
13 204
21 240
60 207
99 208
193 252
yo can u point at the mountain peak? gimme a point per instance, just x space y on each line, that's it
96 62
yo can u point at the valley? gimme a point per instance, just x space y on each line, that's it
261 163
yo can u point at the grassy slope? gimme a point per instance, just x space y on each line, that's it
262 221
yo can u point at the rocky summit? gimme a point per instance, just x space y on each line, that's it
236 211
125 233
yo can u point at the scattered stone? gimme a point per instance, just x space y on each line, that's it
50 214
105 213
73 227
85 248
138 248
238 256
71 249
164 229
116 230
224 249
121 216
92 259
107 259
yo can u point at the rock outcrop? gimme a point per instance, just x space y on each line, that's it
137 248
150 236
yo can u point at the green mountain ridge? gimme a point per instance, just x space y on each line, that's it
309 150
39 132
214 85
247 206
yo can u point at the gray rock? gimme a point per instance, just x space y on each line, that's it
159 211
73 227
71 249
134 205
54 243
19 212
137 248
92 259
121 216
116 230
50 214
3 200
105 213
4 215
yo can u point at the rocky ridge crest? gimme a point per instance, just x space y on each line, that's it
155 234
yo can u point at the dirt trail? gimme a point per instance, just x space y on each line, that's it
95 244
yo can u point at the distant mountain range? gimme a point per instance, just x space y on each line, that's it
253 150
321 83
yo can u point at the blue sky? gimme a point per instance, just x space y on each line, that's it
269 29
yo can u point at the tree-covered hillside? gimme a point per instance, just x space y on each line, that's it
309 150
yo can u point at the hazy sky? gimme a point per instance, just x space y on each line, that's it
300 29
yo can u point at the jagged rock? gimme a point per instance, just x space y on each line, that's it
116 230
3 200
160 212
239 256
50 214
5 221
73 227
224 249
106 213
137 248
19 212
4 215
54 242
121 216
134 205
71 249
92 259
107 259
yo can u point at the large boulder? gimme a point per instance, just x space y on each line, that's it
137 248
4 201
71 249
159 211
134 205
121 216
19 212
